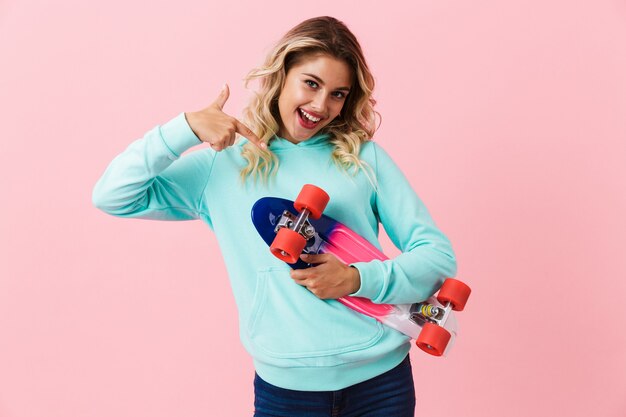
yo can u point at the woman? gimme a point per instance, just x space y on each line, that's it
311 121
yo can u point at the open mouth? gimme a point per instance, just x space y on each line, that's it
307 120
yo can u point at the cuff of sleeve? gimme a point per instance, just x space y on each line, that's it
178 136
370 285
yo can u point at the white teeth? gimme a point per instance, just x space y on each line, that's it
308 116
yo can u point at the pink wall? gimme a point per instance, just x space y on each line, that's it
507 116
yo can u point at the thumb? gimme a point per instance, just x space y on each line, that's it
222 97
314 258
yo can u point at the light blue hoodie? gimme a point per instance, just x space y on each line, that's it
297 340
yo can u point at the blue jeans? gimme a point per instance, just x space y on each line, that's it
391 394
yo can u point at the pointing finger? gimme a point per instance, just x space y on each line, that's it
243 130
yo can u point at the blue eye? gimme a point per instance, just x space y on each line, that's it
313 84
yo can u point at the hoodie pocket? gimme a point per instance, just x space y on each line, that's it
288 321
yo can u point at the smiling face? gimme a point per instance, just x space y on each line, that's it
314 93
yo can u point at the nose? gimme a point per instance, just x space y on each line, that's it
319 102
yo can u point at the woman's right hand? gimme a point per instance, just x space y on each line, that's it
213 126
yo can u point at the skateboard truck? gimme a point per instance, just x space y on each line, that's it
299 224
293 232
422 313
434 337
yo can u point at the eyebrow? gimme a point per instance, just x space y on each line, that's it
319 80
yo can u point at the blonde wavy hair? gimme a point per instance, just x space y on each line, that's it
354 126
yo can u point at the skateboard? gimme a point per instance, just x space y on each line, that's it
291 228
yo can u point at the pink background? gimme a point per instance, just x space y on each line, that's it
509 118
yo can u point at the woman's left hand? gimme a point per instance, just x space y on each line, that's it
329 278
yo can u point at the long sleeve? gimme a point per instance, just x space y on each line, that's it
427 257
150 180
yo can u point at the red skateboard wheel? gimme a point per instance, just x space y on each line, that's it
287 245
455 292
433 339
312 198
